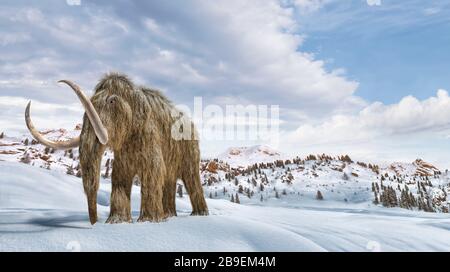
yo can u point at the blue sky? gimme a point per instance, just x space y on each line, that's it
364 77
395 49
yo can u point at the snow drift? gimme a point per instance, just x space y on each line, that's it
42 210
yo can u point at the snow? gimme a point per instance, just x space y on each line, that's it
295 181
45 210
244 156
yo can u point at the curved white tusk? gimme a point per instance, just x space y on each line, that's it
69 144
99 129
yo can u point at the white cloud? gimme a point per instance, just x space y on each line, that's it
44 115
410 115
250 50
252 47
73 2
374 2
13 38
378 128
309 5
227 51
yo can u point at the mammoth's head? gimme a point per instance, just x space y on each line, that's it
108 114
113 101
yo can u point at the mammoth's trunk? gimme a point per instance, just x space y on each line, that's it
91 153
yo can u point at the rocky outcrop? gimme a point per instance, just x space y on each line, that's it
424 168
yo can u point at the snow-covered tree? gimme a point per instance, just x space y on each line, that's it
180 190
319 195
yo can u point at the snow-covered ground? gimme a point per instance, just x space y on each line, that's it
43 210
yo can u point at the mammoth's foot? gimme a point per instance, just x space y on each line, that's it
200 213
117 219
152 218
170 213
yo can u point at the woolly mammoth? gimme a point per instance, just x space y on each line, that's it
136 124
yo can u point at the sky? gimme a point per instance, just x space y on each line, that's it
368 78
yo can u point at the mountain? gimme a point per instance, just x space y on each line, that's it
44 210
417 168
260 174
315 203
244 156
27 150
341 181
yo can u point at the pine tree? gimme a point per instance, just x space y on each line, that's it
180 190
2 135
389 197
254 182
405 202
237 199
376 201
319 195
277 195
210 195
345 177
383 199
26 142
232 198
26 158
412 200
261 198
107 168
70 170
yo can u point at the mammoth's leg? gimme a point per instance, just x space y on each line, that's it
122 181
194 188
169 197
91 152
152 183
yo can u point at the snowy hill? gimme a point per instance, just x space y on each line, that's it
244 156
415 186
45 210
26 150
314 203
260 174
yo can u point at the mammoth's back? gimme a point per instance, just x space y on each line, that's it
165 114
162 109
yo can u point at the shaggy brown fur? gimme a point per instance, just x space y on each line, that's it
139 123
